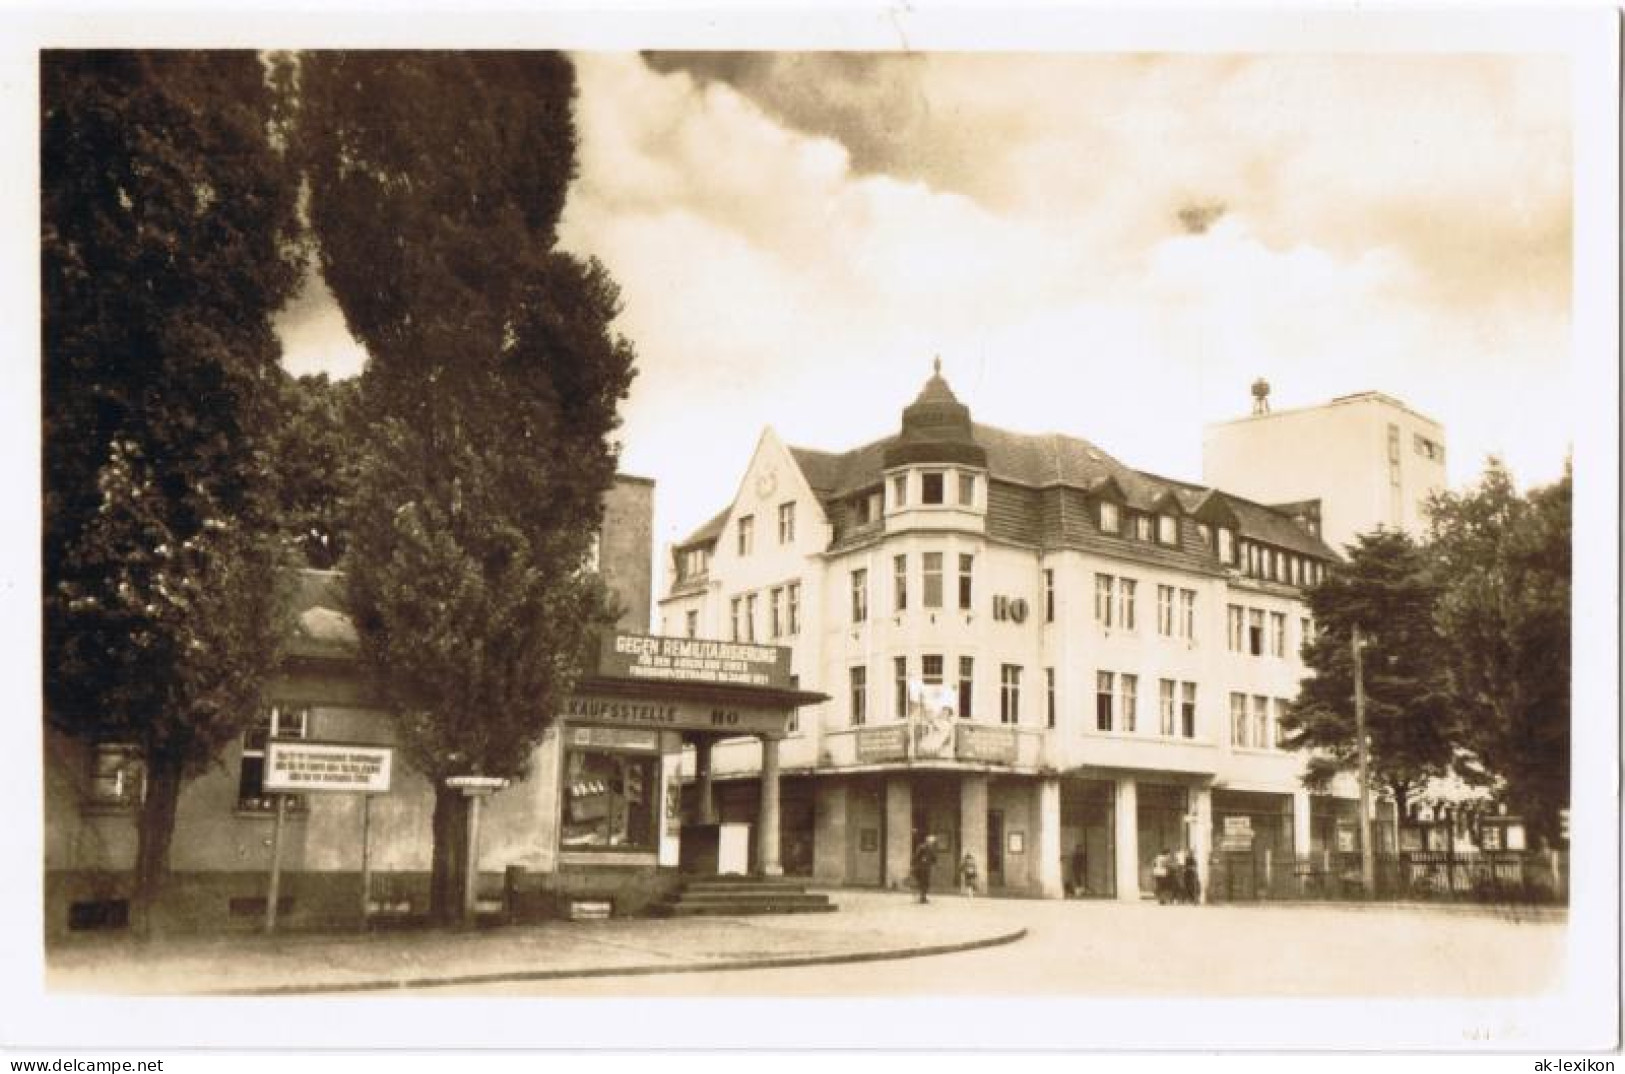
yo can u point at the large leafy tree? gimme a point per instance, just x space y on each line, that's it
1504 568
167 218
1385 590
318 464
492 390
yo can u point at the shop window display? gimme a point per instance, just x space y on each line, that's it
610 800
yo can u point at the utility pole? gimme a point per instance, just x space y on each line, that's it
1368 860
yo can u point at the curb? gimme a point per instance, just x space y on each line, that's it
388 984
1531 914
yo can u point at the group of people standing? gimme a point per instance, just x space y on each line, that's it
1173 873
1174 877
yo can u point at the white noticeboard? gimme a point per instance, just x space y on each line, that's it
300 766
733 849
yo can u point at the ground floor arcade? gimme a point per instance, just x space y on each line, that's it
1088 834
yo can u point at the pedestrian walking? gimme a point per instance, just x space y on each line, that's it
1080 871
1161 868
1192 882
967 874
925 859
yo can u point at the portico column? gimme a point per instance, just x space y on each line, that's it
706 809
899 829
973 824
1202 834
1301 831
1126 838
767 834
1049 838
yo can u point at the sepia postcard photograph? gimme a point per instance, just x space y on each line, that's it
767 528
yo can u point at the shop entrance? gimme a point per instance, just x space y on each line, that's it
995 848
1160 818
1088 809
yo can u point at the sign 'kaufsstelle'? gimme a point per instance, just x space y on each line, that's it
723 663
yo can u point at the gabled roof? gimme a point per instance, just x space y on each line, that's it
708 532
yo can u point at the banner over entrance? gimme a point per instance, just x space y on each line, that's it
694 660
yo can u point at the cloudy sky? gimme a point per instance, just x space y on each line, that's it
1111 246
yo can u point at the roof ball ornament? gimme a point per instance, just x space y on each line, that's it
1261 396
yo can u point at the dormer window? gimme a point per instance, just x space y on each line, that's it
1109 521
967 490
1167 529
1227 546
693 563
1142 527
931 487
899 491
1204 533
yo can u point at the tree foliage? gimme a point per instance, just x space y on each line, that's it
168 218
1504 569
318 453
437 182
1385 589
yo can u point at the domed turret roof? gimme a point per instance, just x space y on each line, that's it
936 428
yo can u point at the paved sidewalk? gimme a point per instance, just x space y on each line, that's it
868 926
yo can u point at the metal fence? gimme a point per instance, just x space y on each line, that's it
1502 877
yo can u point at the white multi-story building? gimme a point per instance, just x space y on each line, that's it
1050 660
1368 459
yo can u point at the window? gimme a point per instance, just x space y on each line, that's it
1187 709
866 509
931 669
747 533
692 564
787 523
900 687
1165 610
860 595
735 633
1131 701
1104 684
899 492
967 490
1125 602
1233 620
117 776
1294 570
931 490
1049 596
1142 527
776 611
1277 633
1109 518
1255 631
931 580
1204 533
1261 722
1238 719
967 676
857 693
967 567
611 800
1009 694
1187 614
280 721
1167 529
899 583
1049 697
750 617
792 625
1306 631
794 726
1165 707
1227 546
1278 710
691 623
1105 590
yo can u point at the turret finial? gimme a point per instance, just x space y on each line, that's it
936 365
